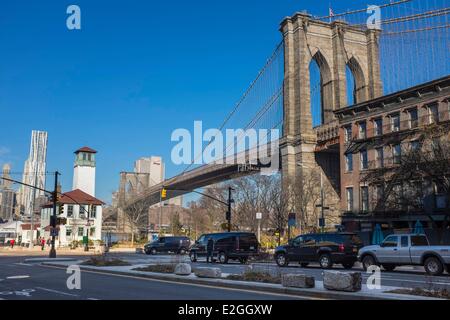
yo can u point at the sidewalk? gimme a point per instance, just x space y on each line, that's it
319 292
37 251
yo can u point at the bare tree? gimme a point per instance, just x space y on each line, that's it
279 204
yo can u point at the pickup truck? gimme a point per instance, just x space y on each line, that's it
406 249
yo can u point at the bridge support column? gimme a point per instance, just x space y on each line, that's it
333 46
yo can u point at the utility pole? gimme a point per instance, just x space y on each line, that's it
53 220
160 213
322 205
230 200
258 218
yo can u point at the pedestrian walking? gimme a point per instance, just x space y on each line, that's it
209 250
49 242
42 244
12 242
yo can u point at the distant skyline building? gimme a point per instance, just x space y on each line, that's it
153 167
34 172
7 196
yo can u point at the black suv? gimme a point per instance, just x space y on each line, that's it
168 244
227 246
325 248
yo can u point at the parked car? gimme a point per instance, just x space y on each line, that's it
325 248
168 244
227 246
407 249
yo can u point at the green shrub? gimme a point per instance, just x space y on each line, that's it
104 262
160 268
255 277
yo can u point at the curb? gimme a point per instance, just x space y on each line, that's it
49 259
330 295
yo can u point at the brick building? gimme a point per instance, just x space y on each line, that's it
373 135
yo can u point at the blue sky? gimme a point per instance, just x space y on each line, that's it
135 72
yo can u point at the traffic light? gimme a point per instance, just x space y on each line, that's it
61 221
163 193
61 209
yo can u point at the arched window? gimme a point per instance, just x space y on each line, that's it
351 86
320 90
356 84
316 95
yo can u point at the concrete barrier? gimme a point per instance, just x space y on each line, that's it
263 268
297 281
342 281
208 272
183 269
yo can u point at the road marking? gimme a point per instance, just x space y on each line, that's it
419 281
17 277
58 292
92 299
198 285
23 264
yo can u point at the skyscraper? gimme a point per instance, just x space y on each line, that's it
7 196
153 167
34 172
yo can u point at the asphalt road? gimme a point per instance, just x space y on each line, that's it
408 277
24 281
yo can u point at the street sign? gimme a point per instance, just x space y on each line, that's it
54 232
259 215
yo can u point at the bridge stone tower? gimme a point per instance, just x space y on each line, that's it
333 46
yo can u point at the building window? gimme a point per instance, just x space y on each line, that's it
80 231
82 212
379 157
378 126
395 122
362 130
440 196
68 232
415 145
364 163
365 199
396 153
349 193
94 212
347 134
413 118
379 194
349 162
433 113
69 211
92 232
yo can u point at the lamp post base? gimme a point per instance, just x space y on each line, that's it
52 253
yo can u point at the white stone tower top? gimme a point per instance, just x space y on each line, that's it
84 170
